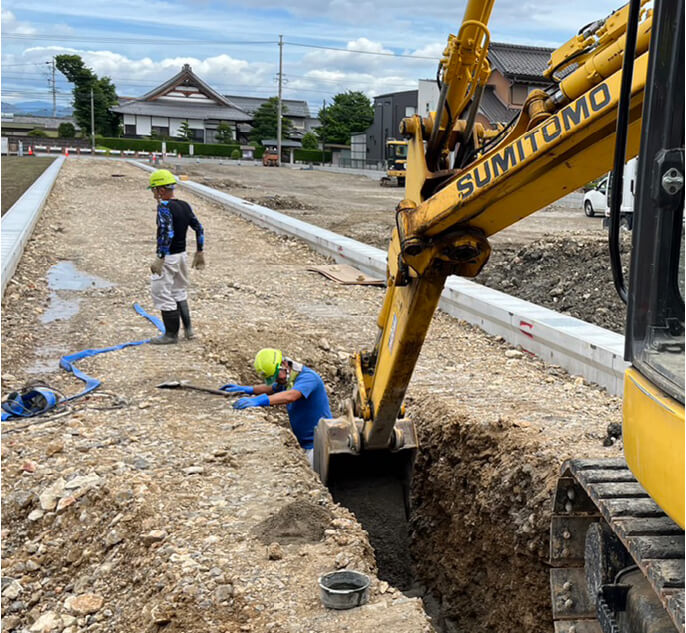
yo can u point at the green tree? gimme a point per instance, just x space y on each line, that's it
236 154
224 133
185 133
351 112
310 141
264 121
107 123
37 132
66 130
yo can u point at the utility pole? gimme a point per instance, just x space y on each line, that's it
92 126
53 86
323 153
278 115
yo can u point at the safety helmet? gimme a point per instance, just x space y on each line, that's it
268 363
160 178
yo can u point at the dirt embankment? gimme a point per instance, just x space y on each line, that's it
168 499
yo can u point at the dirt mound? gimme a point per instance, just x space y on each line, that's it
298 522
280 202
223 184
568 275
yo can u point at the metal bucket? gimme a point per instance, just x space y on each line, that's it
344 589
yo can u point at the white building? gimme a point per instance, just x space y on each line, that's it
185 97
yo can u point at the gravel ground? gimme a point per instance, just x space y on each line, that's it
557 257
151 510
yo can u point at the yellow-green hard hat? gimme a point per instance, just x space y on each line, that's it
160 178
268 363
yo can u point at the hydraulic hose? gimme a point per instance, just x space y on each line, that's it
620 149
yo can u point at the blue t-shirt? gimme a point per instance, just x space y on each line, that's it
305 413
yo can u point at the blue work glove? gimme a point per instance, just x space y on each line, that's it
259 401
231 388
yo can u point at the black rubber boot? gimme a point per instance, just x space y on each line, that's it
171 328
185 314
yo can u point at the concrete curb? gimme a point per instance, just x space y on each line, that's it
17 224
581 348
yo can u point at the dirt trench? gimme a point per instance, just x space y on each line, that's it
197 488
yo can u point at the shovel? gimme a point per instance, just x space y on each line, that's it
182 384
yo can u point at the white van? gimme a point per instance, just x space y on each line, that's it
595 200
626 213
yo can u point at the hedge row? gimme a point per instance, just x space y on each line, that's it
149 145
311 155
202 149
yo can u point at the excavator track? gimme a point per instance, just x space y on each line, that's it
605 528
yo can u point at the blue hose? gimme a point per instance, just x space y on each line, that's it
41 399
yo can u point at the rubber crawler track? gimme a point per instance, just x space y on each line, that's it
588 490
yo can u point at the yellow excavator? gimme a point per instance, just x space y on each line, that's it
396 163
617 91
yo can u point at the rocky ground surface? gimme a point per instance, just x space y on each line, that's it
140 509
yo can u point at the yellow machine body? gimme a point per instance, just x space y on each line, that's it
653 434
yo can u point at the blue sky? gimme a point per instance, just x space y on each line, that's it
233 45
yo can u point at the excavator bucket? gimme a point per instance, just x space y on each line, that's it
374 485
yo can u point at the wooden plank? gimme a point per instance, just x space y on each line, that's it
345 274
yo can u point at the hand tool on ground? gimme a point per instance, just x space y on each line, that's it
182 384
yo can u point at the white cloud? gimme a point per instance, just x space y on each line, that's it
10 25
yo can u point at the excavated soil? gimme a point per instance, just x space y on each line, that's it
142 509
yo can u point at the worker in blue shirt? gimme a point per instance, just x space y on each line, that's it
290 383
170 278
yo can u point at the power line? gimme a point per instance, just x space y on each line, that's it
148 41
350 50
132 40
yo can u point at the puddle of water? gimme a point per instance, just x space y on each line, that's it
60 309
47 359
65 276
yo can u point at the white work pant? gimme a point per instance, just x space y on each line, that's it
171 286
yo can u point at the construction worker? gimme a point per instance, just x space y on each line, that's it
169 281
287 382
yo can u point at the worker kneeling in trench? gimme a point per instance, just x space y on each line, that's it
287 382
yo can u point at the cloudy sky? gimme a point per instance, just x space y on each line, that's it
330 46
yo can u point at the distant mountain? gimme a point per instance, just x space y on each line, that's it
35 108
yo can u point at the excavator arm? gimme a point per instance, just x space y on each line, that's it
560 141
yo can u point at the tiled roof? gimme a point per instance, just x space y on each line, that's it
251 104
494 109
521 62
267 142
182 111
186 77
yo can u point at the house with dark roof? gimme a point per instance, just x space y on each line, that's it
516 71
298 112
185 97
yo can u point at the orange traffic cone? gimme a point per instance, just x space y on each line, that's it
66 151
30 150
